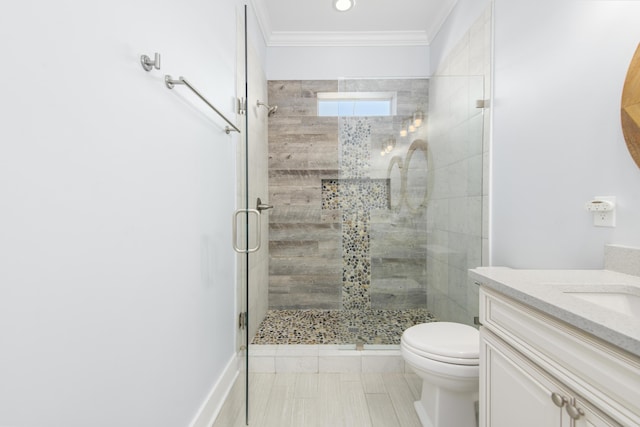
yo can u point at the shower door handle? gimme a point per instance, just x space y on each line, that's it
262 206
248 212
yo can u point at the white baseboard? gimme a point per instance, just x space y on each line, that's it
212 405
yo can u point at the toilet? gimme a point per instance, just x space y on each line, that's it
445 356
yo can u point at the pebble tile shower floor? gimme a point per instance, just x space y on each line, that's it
338 326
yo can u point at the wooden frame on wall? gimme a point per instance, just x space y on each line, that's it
630 108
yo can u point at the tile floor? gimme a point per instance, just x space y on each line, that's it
306 371
324 400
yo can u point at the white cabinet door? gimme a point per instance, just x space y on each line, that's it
514 392
591 417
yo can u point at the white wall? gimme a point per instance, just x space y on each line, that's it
462 17
329 63
116 272
557 141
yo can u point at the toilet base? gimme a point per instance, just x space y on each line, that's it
422 414
443 408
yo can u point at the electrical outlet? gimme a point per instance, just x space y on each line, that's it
604 211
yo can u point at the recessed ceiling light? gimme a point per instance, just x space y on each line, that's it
343 5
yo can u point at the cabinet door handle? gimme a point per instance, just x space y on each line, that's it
574 412
558 400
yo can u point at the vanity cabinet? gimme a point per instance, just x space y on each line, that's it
536 371
519 393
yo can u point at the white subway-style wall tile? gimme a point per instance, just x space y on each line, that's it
262 364
263 350
375 363
297 364
340 364
297 350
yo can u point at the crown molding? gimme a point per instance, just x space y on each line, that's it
347 38
339 38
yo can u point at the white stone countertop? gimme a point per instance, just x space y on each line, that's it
546 290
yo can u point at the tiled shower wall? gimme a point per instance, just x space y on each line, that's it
305 265
458 211
337 240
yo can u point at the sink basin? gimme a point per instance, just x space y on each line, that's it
622 299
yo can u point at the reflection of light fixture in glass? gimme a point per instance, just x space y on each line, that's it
403 129
388 146
391 144
418 117
343 5
412 128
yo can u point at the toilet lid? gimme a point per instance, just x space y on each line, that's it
444 341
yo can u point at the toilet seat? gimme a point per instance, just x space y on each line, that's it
445 342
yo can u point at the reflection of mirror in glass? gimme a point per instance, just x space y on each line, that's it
396 182
417 176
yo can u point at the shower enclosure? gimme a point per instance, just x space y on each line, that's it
377 188
378 199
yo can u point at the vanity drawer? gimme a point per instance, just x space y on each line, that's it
604 375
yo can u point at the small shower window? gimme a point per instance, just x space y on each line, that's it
347 104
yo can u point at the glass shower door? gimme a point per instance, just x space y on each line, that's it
384 179
252 217
245 223
411 196
243 227
455 207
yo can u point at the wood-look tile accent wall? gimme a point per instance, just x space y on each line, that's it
305 268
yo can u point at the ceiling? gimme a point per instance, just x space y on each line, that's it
368 23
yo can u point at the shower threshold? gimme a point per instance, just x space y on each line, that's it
359 329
